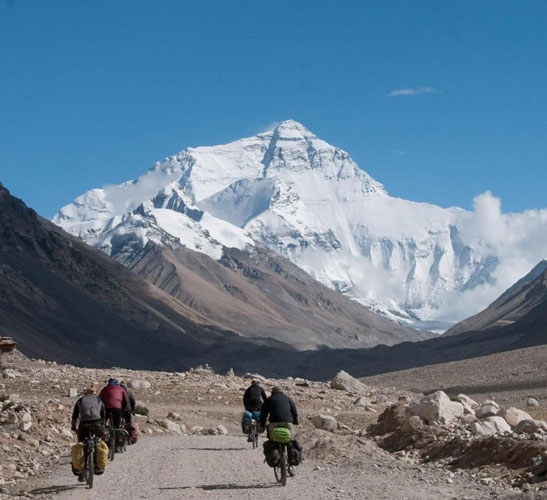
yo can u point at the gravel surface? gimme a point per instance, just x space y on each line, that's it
226 467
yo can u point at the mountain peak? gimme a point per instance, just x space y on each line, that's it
292 129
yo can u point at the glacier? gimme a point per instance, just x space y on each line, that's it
288 190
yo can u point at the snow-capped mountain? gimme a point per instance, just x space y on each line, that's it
299 196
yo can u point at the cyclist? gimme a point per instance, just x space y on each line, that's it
90 412
131 406
252 401
254 397
115 401
281 410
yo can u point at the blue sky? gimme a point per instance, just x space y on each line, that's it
439 101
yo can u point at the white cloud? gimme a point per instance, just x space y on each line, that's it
518 241
268 128
421 90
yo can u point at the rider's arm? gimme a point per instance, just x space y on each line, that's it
263 395
294 413
102 410
125 400
264 412
75 414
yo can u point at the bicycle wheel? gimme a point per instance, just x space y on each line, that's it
89 466
111 444
255 437
280 470
283 466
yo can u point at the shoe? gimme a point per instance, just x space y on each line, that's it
291 472
81 478
249 439
98 472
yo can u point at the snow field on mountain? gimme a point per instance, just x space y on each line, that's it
308 201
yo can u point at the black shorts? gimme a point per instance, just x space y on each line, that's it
114 414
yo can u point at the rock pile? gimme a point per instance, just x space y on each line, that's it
464 434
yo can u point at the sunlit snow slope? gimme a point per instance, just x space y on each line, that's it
309 201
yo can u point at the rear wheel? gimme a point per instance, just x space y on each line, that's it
90 466
111 444
255 438
280 470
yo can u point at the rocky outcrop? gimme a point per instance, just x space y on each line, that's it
436 408
345 382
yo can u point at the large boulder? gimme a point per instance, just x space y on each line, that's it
345 382
513 416
170 426
488 409
139 384
324 422
466 400
390 420
436 408
530 426
489 426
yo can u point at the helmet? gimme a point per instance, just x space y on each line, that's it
112 381
90 389
276 389
124 385
255 382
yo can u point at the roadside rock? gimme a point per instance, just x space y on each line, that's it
436 407
170 426
488 409
466 400
489 426
364 403
530 426
345 382
531 402
513 416
139 384
324 422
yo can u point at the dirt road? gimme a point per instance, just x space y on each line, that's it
226 467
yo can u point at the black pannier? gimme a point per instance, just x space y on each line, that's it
294 451
272 452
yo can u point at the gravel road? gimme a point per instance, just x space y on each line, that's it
226 467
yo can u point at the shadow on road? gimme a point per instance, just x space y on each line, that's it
56 489
210 487
216 449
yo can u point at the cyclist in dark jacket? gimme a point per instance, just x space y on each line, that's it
254 397
115 401
127 415
281 410
89 410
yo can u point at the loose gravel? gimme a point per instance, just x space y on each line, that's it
226 467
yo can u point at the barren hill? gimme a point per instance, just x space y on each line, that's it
261 294
63 300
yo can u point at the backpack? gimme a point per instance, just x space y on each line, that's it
294 452
90 408
272 452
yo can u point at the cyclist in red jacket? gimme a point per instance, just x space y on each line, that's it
115 401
